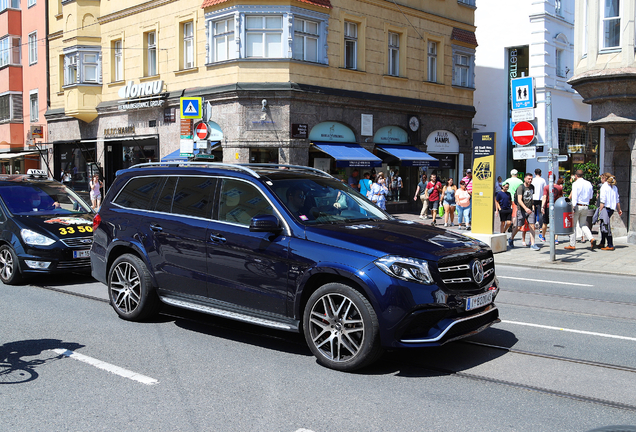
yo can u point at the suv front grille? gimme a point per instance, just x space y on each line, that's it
77 242
456 273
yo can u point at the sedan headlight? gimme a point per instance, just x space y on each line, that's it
35 239
408 269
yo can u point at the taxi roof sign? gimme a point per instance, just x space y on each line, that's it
191 107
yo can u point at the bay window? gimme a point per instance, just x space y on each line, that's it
224 46
611 24
306 40
264 36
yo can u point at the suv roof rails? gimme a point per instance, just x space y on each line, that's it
196 164
290 167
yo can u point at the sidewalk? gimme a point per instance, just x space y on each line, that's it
621 261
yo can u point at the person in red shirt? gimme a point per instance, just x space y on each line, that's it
434 190
557 190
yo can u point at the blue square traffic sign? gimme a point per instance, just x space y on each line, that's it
191 107
522 92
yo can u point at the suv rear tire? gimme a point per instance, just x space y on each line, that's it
341 328
130 289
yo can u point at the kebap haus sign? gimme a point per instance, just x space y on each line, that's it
132 93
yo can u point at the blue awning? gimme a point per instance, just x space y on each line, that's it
176 157
408 155
349 155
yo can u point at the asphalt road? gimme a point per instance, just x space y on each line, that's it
562 359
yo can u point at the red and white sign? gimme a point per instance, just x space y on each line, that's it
202 131
568 221
523 133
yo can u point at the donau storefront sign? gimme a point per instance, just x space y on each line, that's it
148 89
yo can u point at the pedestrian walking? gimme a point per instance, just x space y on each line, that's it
503 204
462 198
539 184
434 189
365 185
514 183
609 204
582 192
422 193
96 191
498 184
468 179
353 180
557 191
379 192
525 210
449 202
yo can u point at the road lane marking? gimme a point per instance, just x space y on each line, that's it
106 366
570 330
539 280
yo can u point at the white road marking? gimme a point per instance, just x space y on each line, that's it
106 366
539 280
571 330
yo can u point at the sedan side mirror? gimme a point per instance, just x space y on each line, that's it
265 223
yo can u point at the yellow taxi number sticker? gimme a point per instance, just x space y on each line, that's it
71 230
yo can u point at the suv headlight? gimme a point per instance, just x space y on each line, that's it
408 269
35 239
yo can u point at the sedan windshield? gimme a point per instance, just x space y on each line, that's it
42 198
325 200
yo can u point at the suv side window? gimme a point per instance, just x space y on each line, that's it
192 196
240 202
139 193
164 204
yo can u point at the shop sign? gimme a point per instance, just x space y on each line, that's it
131 90
391 135
299 130
332 132
37 132
482 213
447 161
442 141
126 130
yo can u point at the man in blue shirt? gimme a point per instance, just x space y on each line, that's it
503 203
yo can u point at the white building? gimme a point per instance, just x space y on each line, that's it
536 39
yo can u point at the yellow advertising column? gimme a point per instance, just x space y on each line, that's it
483 204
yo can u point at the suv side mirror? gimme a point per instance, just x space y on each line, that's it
265 223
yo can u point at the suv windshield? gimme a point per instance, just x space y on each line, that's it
325 200
42 198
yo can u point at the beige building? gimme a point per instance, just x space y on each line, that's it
605 75
334 84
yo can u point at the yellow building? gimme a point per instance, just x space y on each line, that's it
280 81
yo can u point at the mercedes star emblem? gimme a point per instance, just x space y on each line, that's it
478 271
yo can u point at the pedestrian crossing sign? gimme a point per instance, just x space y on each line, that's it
191 107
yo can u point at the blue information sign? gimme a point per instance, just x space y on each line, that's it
190 107
522 93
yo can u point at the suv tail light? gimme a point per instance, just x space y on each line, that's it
96 221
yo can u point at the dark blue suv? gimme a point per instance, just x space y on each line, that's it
290 248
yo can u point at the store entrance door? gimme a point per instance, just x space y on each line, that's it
124 154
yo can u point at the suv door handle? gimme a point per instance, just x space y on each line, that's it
218 238
156 227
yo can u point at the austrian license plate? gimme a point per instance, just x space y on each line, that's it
82 254
478 301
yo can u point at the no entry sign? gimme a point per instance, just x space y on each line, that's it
202 131
523 133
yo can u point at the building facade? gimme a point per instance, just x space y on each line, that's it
532 39
605 75
295 82
23 84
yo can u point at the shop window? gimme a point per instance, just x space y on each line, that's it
579 141
150 39
351 45
260 155
432 62
33 106
394 54
9 51
118 60
463 67
610 24
187 32
33 48
306 40
11 107
264 36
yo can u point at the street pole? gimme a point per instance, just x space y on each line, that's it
551 159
